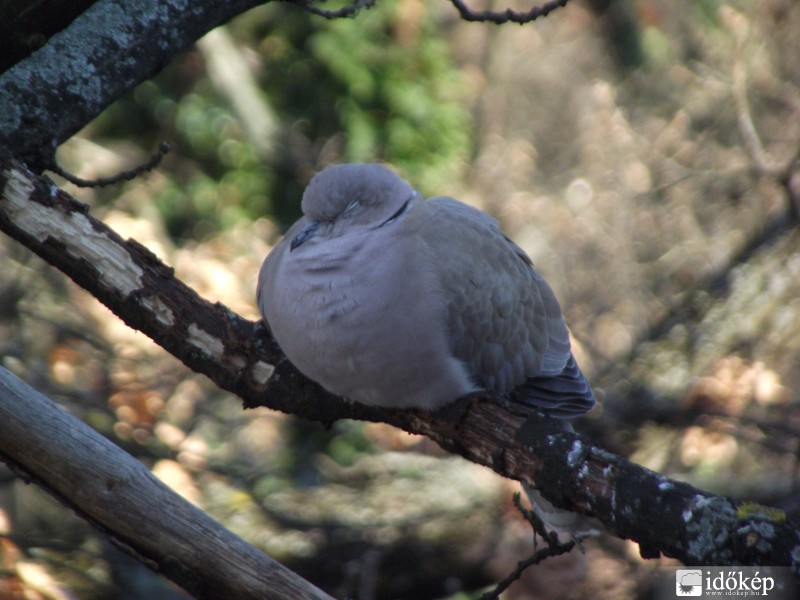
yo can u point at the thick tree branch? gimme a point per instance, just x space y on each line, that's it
120 496
663 516
105 52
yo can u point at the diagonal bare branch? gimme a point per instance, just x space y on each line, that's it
121 497
663 516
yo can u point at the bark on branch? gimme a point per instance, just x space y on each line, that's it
663 516
106 51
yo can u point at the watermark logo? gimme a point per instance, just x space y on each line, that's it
689 582
744 582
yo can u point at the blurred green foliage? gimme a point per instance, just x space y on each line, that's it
382 87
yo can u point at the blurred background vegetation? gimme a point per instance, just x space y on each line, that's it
637 149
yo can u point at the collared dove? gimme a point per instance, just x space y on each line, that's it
391 300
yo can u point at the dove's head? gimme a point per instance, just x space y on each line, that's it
348 197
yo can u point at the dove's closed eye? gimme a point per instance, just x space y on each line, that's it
399 212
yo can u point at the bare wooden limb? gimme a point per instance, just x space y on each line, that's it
119 495
663 516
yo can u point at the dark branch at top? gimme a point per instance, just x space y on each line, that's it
500 17
487 16
89 64
350 10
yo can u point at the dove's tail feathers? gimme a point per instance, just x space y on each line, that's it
564 396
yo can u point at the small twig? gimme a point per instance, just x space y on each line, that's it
539 528
351 10
500 17
763 162
554 548
752 141
151 163
534 559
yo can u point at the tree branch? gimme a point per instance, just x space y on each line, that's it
663 516
349 10
508 15
120 496
106 51
150 164
554 547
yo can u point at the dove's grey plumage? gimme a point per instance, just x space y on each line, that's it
392 300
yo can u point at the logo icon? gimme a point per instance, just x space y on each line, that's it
689 582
